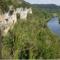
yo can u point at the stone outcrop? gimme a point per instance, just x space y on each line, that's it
9 19
23 12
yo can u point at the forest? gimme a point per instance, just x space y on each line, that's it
30 39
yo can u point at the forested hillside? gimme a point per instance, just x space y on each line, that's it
31 39
4 4
47 7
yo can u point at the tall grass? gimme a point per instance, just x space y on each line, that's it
31 39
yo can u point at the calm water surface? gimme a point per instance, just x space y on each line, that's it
54 25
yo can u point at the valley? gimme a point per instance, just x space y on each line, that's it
31 38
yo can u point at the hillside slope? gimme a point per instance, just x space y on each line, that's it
48 7
31 39
4 4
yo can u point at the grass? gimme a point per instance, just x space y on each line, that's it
31 39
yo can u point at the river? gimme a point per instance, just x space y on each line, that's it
54 25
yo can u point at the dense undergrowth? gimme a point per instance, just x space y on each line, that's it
31 39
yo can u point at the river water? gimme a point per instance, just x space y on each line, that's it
54 25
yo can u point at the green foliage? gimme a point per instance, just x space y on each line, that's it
31 39
3 6
47 7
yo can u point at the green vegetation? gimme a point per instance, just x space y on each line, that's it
31 39
48 7
3 6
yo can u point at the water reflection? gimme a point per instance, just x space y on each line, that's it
54 25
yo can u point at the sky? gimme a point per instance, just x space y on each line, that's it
57 2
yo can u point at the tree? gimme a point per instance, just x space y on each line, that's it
3 6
